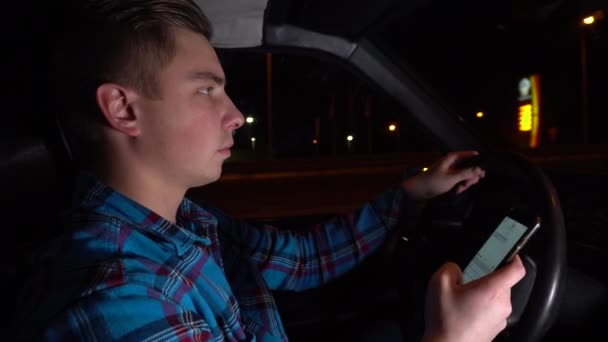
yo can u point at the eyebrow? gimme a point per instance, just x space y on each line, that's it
206 75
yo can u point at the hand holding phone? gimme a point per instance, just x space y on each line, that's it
509 237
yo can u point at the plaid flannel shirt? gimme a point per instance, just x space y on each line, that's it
122 272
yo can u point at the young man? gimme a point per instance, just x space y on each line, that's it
142 96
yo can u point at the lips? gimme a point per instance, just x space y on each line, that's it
227 147
225 150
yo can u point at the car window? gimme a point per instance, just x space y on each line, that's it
305 106
530 75
313 129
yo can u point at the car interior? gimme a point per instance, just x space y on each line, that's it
563 293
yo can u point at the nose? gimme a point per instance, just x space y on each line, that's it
234 119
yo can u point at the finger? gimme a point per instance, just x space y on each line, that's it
500 326
503 303
468 183
454 157
508 275
504 297
469 173
447 161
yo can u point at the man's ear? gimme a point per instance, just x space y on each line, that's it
115 104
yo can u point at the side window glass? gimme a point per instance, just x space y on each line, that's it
303 106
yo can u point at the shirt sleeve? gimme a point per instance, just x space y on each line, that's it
113 316
299 260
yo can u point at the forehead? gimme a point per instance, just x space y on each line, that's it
192 53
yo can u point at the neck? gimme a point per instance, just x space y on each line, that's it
145 188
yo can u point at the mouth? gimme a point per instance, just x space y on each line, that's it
227 146
226 149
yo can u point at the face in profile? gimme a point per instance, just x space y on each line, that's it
186 134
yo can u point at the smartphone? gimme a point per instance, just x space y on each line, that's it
509 237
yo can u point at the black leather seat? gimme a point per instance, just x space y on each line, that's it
29 152
32 187
33 168
34 193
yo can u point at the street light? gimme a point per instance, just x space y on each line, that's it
589 20
480 115
392 127
593 17
249 119
349 143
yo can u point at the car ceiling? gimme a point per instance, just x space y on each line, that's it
239 23
344 18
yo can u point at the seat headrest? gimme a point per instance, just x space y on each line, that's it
34 188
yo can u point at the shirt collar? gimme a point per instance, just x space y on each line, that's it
192 224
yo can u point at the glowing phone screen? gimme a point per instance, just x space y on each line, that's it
495 249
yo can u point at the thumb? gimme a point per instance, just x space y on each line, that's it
448 275
506 276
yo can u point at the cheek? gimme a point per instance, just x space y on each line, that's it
198 138
186 132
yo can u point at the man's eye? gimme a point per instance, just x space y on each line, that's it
206 90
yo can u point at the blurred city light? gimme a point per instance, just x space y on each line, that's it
480 115
392 127
525 118
529 110
250 119
350 138
253 144
594 17
315 141
425 169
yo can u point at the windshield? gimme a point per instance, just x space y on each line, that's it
530 74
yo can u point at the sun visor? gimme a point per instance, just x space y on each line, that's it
236 23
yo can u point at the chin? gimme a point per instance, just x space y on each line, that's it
209 178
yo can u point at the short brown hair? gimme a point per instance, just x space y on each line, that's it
122 41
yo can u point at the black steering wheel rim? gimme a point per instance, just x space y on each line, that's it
542 307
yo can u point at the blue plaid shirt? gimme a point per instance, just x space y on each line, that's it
122 272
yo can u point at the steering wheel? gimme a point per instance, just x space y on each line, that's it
446 226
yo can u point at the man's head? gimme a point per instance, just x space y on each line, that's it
131 75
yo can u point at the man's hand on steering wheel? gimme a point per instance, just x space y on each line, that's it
443 176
